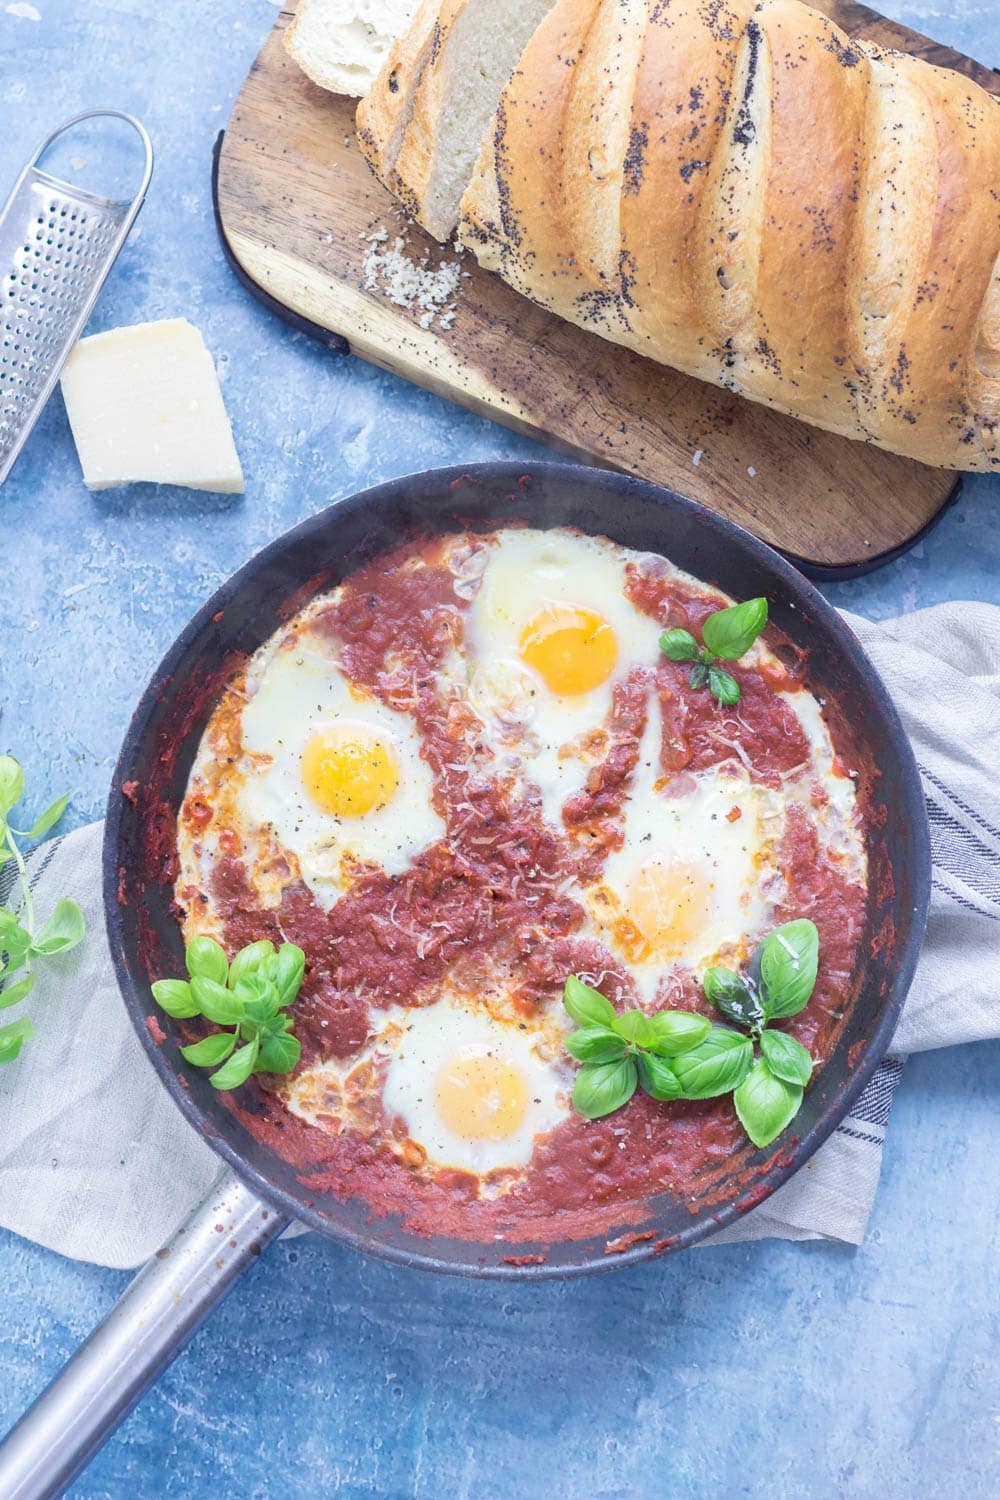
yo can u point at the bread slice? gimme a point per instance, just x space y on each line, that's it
476 49
385 112
342 44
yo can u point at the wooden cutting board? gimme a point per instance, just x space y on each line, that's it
296 205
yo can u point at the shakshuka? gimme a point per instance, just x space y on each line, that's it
462 775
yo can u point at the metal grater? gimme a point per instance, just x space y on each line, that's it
57 244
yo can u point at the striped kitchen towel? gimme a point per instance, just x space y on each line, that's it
97 1163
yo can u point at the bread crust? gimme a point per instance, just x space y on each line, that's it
384 113
412 168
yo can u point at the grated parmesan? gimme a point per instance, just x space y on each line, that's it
411 283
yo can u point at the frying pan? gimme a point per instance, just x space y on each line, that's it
259 1193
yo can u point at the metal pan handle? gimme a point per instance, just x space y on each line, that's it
147 1327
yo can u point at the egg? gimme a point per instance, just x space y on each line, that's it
335 777
471 1090
549 632
696 869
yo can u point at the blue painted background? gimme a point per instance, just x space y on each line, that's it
773 1369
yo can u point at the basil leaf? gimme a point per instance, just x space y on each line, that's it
175 997
699 675
49 818
8 918
786 1057
210 1050
723 686
262 1008
216 1002
249 960
765 1104
238 1069
11 784
595 1044
657 1077
256 987
716 1065
12 993
601 1088
730 993
788 959
679 645
62 931
15 941
730 632
279 1054
678 1031
587 1006
13 1037
206 960
636 1027
285 971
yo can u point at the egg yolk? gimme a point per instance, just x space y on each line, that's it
349 771
668 908
480 1097
573 650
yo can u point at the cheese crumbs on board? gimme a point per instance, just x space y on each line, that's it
411 283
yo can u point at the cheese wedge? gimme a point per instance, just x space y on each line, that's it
144 404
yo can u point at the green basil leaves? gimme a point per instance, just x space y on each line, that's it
622 1052
588 1007
250 995
787 963
731 994
786 1057
730 633
601 1088
22 941
716 1066
727 634
678 1054
766 1103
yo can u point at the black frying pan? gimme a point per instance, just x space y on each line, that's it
145 939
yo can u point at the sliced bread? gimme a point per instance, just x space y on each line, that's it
342 44
476 49
385 112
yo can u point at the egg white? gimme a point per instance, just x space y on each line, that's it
294 690
411 1046
530 726
684 835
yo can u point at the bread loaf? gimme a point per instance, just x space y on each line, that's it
741 191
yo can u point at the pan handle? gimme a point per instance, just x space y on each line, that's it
149 1324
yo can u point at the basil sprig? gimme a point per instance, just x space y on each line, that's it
778 984
22 942
621 1053
678 1054
727 635
250 996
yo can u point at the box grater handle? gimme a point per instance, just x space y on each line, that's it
31 365
101 114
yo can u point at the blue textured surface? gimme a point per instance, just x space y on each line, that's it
778 1369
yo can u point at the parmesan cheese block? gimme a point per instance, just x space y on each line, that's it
144 404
